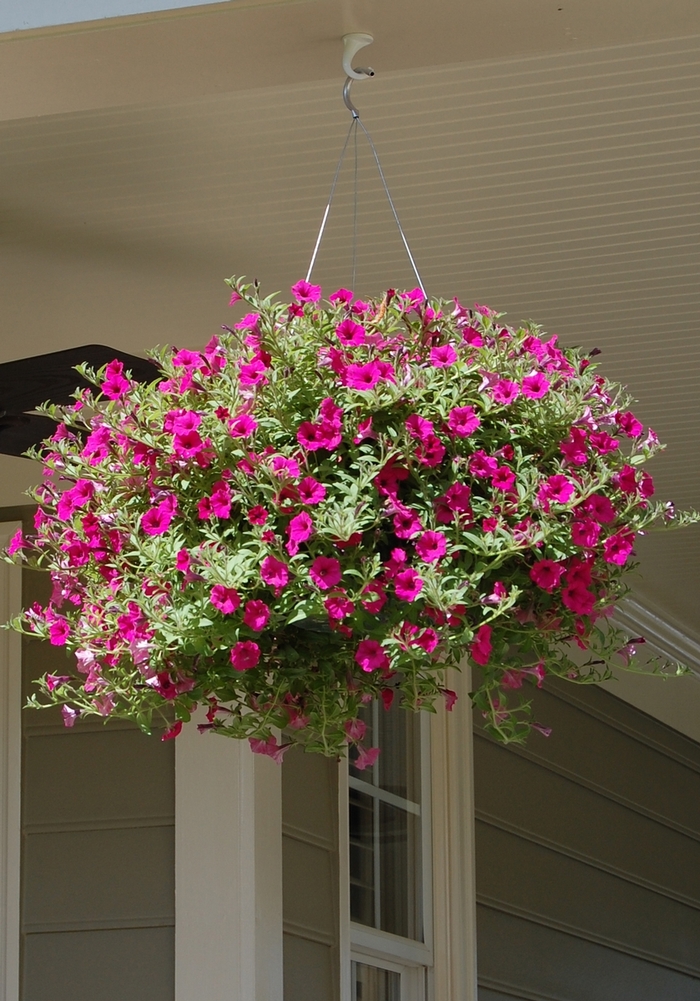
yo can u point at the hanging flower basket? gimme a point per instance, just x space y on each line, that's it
333 503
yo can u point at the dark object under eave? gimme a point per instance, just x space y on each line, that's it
29 382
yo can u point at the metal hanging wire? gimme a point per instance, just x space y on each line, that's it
353 42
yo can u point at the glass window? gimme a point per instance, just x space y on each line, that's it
372 983
385 826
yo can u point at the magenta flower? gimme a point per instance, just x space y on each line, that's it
419 427
182 561
235 297
16 542
428 639
355 729
547 574
226 599
59 631
407 524
338 605
256 615
299 529
221 500
602 442
373 597
270 748
311 491
181 421
252 373
408 585
617 548
442 356
187 444
242 426
626 480
285 468
482 465
157 520
430 451
629 425
70 715
505 392
314 436
600 509
304 292
431 546
325 572
331 413
363 377
481 648
457 497
364 430
115 385
187 359
274 572
342 297
463 421
371 657
245 655
54 680
578 598
646 485
503 478
351 334
557 488
535 386
471 336
258 515
573 448
585 533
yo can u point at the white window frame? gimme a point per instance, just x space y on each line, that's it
10 773
443 968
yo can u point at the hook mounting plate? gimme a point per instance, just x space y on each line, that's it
352 43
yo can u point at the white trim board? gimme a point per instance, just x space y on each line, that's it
10 773
673 701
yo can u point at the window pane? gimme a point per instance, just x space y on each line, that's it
362 897
370 983
400 882
399 761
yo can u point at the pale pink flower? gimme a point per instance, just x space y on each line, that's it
70 715
245 655
355 729
367 758
371 657
54 680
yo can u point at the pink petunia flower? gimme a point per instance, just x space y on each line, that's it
557 488
573 448
325 572
617 548
431 546
367 758
363 377
221 499
370 656
482 465
443 356
258 515
629 425
602 442
285 468
481 647
457 497
355 729
245 655
463 421
156 521
505 392
626 480
351 334
304 292
600 509
419 427
407 524
535 386
578 598
70 715
226 599
408 585
430 451
364 430
115 385
503 478
427 639
256 614
274 572
299 529
343 297
547 574
242 426
311 491
16 543
270 748
373 597
338 605
585 533
59 631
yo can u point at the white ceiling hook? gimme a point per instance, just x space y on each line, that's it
352 44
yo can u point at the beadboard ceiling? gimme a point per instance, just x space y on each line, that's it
561 186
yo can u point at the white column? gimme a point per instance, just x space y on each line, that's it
10 771
454 888
228 871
